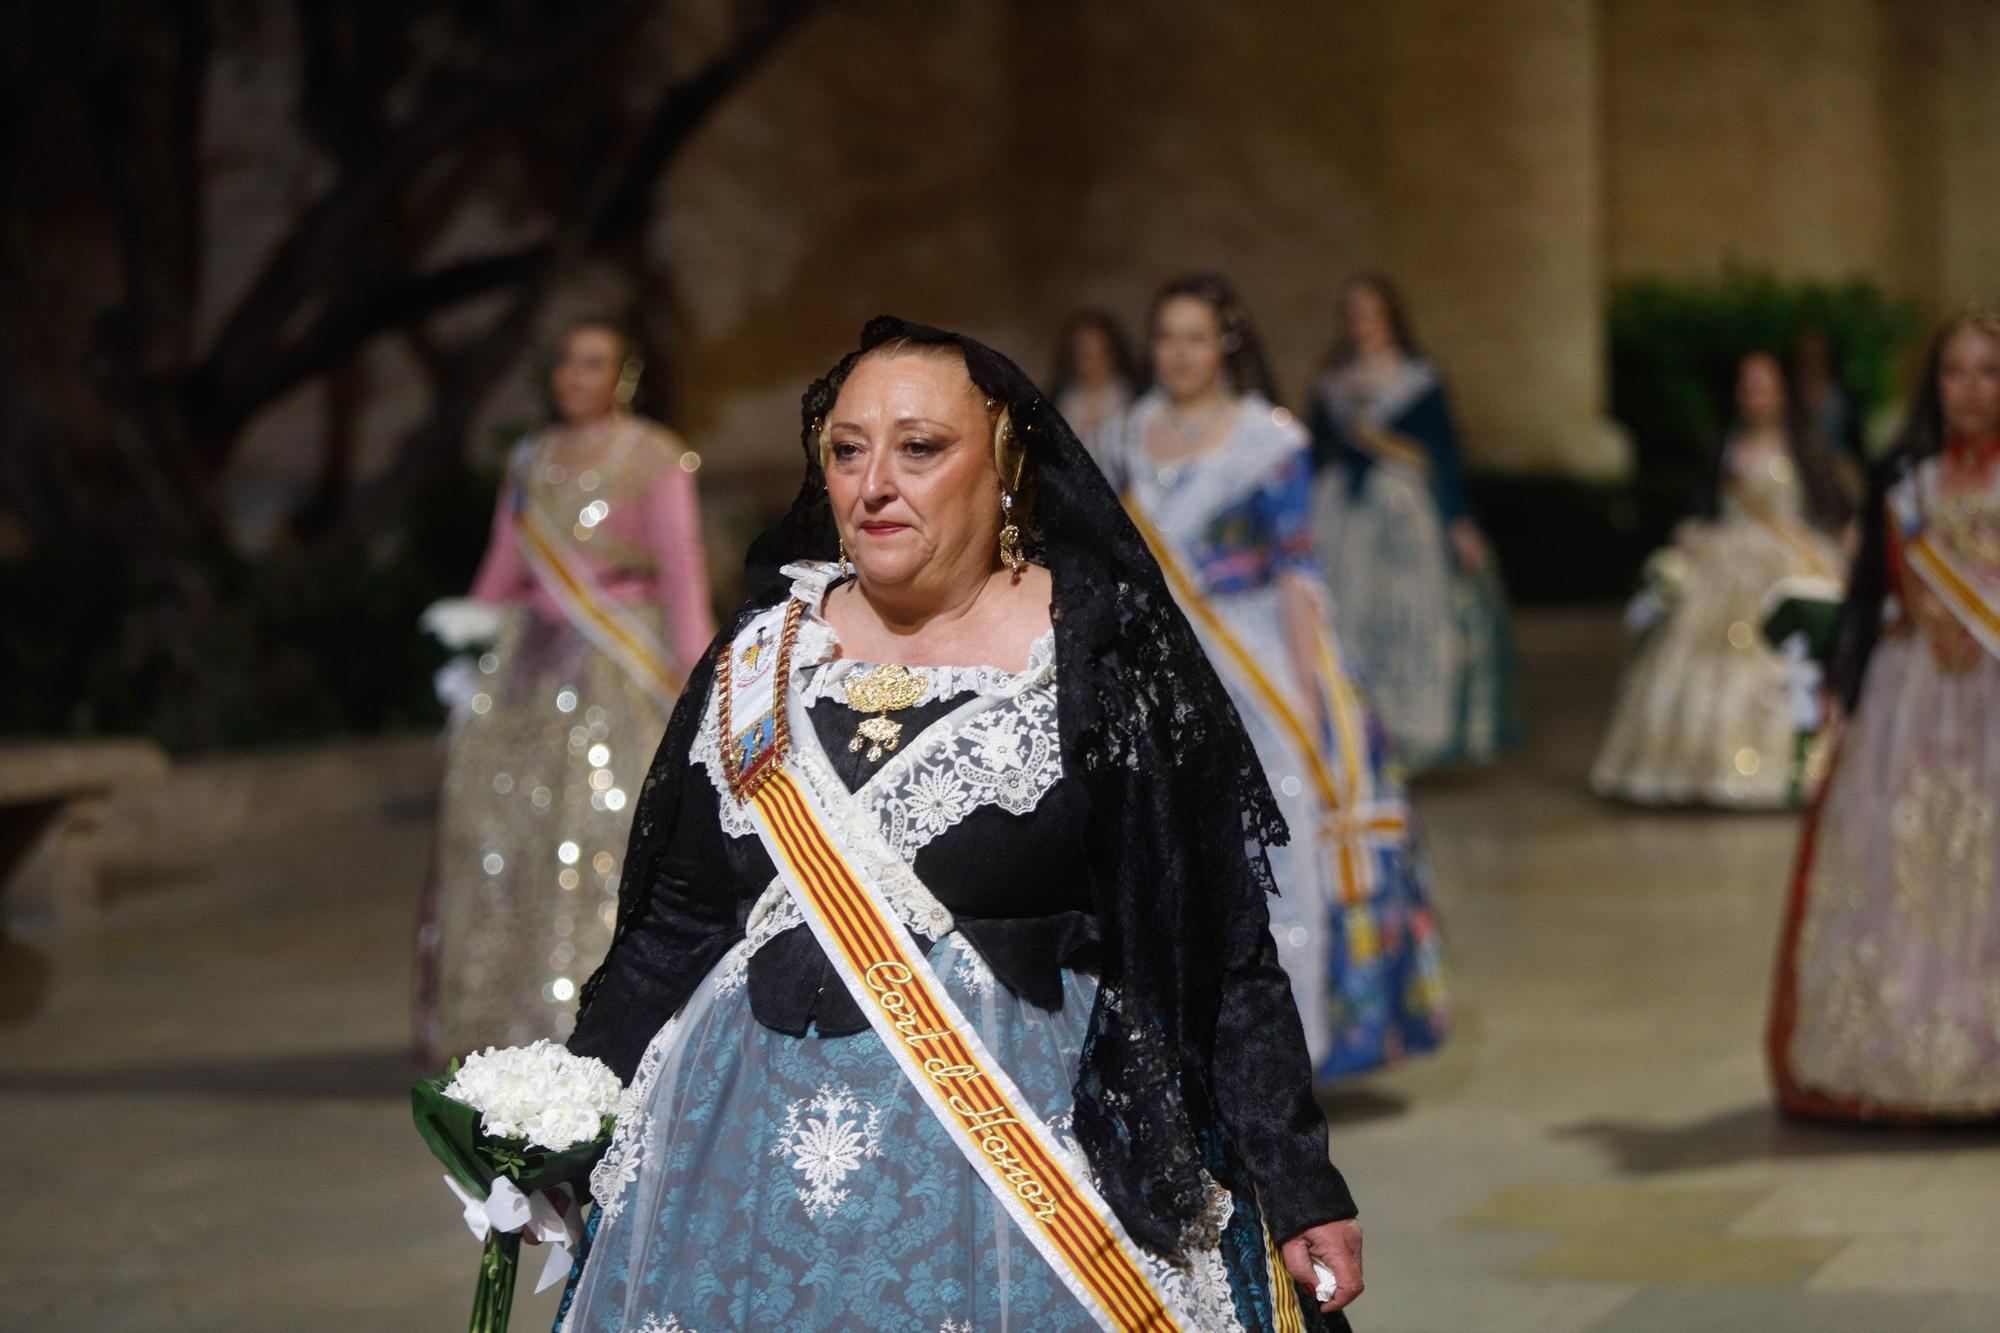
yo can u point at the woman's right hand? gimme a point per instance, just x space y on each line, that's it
1338 1246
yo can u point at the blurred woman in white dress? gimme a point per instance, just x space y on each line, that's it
1095 378
1706 714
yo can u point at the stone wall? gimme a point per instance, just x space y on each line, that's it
1820 139
994 165
1001 165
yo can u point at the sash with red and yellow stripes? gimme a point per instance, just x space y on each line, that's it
1810 553
941 1054
1356 819
1930 555
933 1042
604 620
1391 447
1970 605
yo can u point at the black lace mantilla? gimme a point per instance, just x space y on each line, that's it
1180 817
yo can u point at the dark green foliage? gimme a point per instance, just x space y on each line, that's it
1560 539
289 646
1817 618
1673 348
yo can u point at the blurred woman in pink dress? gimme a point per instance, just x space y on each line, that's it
1888 997
595 567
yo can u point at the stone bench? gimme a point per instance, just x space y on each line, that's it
53 798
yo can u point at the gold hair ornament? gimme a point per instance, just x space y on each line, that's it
627 388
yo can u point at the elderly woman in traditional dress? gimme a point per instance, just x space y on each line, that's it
944 981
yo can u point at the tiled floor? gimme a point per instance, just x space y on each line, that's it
205 1099
1595 1151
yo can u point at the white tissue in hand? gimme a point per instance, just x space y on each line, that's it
1328 1283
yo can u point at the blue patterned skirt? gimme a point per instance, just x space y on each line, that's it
763 1181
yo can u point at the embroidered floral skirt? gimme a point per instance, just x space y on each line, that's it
541 776
1365 960
1888 999
764 1181
1432 643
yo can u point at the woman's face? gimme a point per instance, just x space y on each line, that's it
1187 347
585 379
1969 384
1090 353
1368 324
1760 392
910 473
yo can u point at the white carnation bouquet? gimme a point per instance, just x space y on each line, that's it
464 627
514 1127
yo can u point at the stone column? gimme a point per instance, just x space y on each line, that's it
1969 263
1492 219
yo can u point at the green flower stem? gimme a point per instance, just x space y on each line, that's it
493 1297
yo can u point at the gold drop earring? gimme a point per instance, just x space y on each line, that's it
1010 537
1008 459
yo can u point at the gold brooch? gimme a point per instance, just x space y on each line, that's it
882 690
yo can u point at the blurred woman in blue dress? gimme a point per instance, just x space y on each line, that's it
1217 476
1416 591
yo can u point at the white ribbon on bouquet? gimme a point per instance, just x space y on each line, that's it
1803 680
505 1208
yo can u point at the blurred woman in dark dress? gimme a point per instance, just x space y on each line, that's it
1416 592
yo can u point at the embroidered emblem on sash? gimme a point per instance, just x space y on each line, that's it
758 658
751 754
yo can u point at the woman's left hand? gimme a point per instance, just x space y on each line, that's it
1338 1246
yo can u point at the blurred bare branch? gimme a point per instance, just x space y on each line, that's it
128 399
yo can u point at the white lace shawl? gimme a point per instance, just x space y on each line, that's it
1000 748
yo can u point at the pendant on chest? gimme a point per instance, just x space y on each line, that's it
885 733
882 690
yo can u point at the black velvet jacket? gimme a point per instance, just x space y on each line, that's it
1022 888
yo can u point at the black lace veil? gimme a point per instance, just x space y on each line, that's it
1181 809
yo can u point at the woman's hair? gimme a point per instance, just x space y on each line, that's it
1242 351
1104 322
1924 432
1828 502
1343 350
1008 456
1869 584
1808 335
628 342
